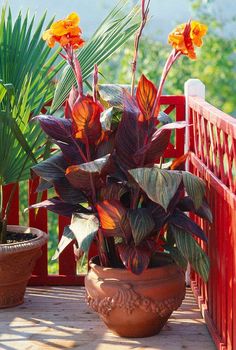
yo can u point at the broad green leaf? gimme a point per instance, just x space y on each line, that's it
191 250
141 224
160 185
195 188
67 237
177 257
84 228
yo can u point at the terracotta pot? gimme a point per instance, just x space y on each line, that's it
131 305
17 262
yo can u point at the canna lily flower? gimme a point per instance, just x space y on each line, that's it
65 32
186 36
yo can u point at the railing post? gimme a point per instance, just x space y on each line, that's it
192 87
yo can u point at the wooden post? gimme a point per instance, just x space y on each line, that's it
192 87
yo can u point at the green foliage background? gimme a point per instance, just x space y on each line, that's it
215 66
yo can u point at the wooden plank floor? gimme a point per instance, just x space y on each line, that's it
56 318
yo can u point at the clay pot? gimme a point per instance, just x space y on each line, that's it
17 261
131 305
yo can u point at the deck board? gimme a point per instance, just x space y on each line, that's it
57 318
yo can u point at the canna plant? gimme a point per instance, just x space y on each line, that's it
109 173
28 72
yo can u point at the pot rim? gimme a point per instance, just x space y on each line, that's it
39 241
113 272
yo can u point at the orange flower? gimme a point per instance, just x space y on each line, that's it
186 36
65 32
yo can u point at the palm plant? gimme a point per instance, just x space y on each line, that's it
27 69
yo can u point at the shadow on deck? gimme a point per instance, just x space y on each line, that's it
54 318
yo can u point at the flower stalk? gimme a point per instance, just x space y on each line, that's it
144 17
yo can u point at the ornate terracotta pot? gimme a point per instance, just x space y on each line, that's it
131 305
17 261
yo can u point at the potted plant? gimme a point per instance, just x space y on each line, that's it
111 179
23 92
27 83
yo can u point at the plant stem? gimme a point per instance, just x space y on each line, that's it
75 65
90 175
95 83
174 55
144 14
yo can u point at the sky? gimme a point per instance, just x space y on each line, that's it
165 13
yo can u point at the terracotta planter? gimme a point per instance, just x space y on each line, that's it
17 261
135 306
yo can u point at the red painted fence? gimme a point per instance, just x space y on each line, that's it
213 157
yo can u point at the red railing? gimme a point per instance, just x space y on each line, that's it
67 271
212 143
213 157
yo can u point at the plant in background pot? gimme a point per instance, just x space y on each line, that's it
25 78
27 72
111 179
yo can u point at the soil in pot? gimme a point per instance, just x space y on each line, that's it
131 305
14 237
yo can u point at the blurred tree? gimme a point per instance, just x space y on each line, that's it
215 66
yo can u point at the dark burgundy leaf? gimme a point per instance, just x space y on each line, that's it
51 168
136 258
160 140
130 135
186 204
152 152
70 102
70 151
113 219
182 221
44 185
68 193
159 215
176 198
55 127
105 146
56 206
112 191
80 176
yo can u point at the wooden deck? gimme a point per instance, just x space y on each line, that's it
55 318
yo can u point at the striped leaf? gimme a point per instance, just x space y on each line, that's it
113 218
66 238
191 250
84 228
195 188
160 185
141 224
